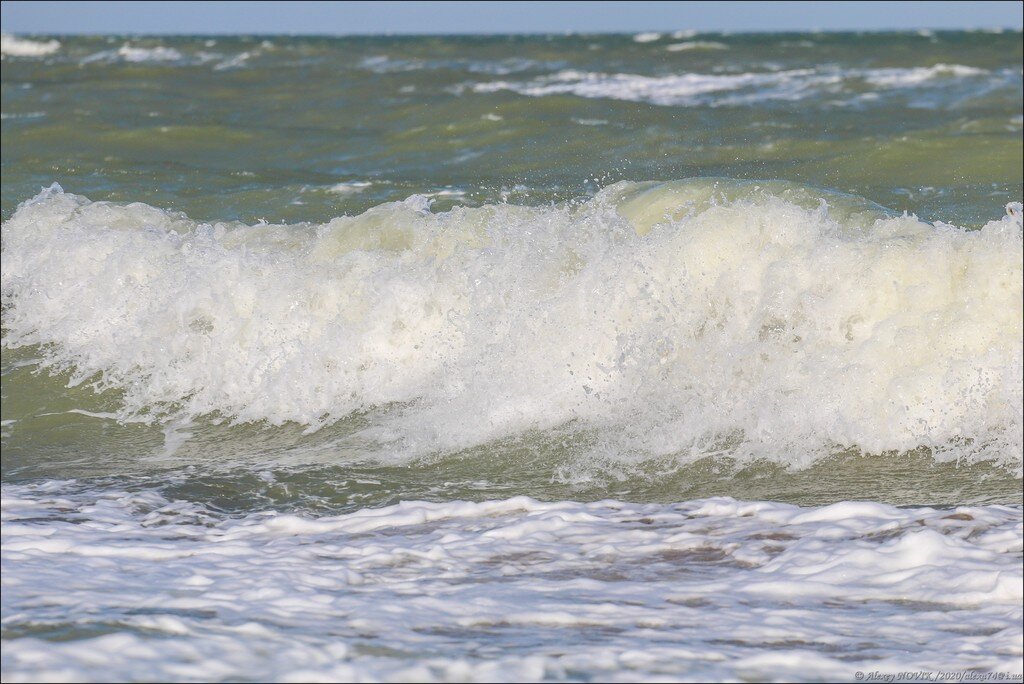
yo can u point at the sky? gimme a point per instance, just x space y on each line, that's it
342 18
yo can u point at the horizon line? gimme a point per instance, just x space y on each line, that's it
390 34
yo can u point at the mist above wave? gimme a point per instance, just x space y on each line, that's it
679 319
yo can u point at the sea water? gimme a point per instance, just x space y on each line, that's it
667 356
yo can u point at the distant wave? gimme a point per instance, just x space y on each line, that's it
902 78
696 45
690 89
383 64
154 54
14 46
648 37
164 55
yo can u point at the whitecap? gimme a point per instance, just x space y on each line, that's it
15 46
910 77
349 187
154 54
648 37
696 45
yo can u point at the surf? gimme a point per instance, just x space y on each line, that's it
762 321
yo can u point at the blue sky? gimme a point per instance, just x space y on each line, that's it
338 18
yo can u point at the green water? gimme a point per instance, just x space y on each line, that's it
297 301
296 130
266 138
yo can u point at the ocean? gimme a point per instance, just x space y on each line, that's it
653 357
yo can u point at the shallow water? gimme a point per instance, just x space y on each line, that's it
469 358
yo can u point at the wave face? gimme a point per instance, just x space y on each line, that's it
683 319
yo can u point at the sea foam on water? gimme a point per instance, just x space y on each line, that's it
514 589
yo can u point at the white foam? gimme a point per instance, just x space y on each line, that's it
758 324
648 37
235 62
349 187
682 89
446 192
517 589
21 115
160 53
383 64
13 46
690 89
696 45
903 78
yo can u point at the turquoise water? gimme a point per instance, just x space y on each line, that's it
276 308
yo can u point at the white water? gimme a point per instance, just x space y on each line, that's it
693 89
648 37
904 78
696 45
504 590
680 319
157 54
13 46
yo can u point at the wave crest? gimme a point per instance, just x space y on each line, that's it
689 318
13 46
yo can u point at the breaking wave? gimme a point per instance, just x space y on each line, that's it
838 86
682 319
14 46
